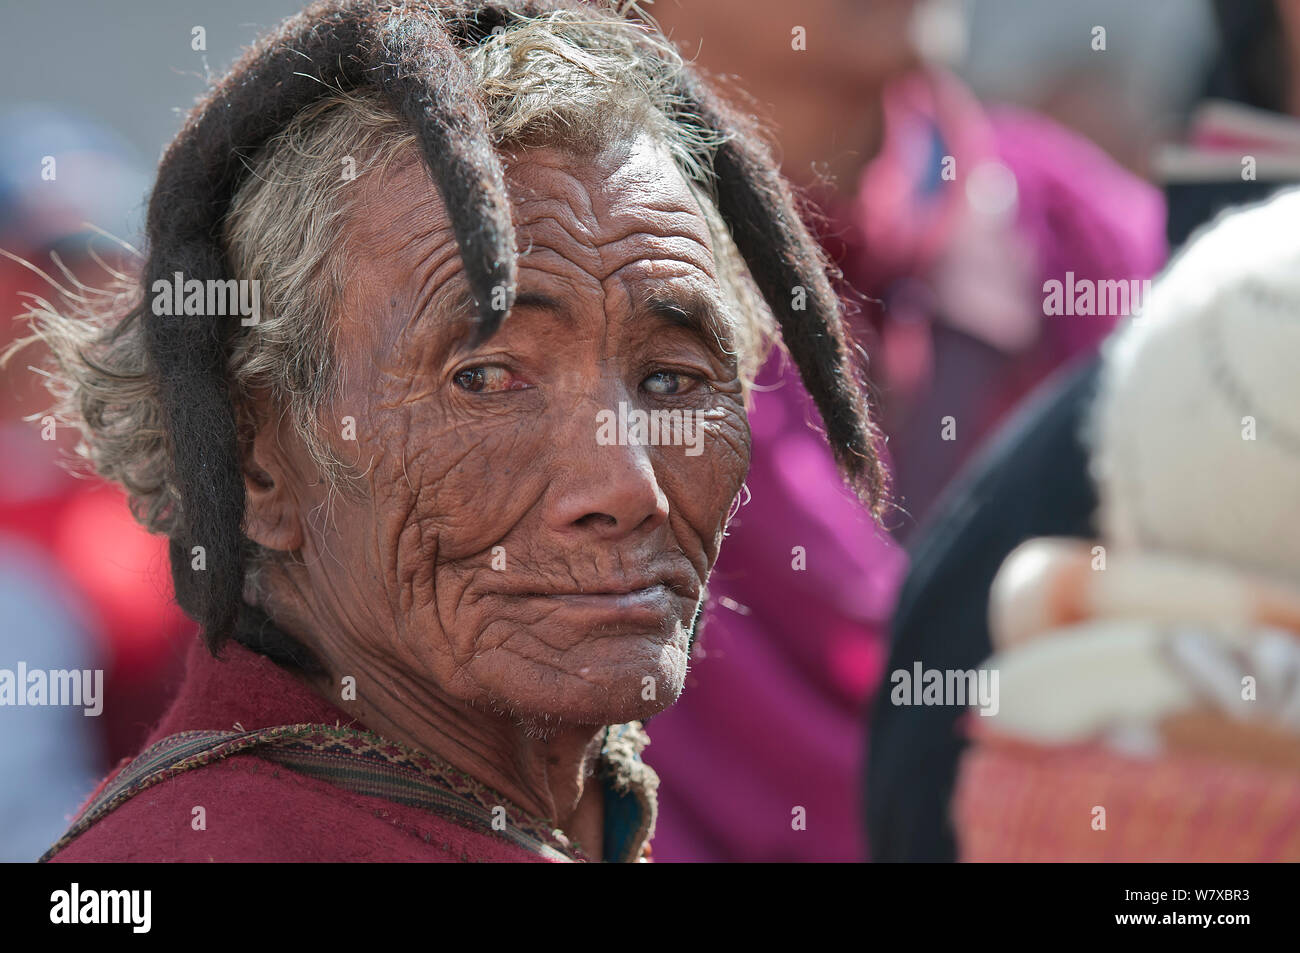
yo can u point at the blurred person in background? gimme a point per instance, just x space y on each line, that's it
82 586
1032 481
1149 705
946 219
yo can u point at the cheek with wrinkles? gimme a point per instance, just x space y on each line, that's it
700 488
451 478
446 490
449 488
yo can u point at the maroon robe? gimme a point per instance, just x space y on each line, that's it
349 795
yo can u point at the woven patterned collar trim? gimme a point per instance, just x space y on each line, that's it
364 763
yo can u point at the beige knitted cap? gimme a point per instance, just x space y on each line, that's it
1195 434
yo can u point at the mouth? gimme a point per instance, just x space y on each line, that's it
651 604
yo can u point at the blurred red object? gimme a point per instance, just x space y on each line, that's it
119 572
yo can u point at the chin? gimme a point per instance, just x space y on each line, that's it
603 681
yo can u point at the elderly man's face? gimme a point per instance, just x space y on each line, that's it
510 553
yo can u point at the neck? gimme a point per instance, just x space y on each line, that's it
548 770
550 774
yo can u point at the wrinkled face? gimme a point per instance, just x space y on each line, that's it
543 508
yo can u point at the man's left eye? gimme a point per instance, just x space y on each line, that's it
486 378
668 382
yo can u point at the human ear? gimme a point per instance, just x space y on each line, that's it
272 515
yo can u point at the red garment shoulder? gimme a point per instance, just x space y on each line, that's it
254 810
241 688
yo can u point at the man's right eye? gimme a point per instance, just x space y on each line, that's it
487 378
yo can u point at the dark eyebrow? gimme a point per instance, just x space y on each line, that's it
535 299
690 309
465 308
465 304
696 312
